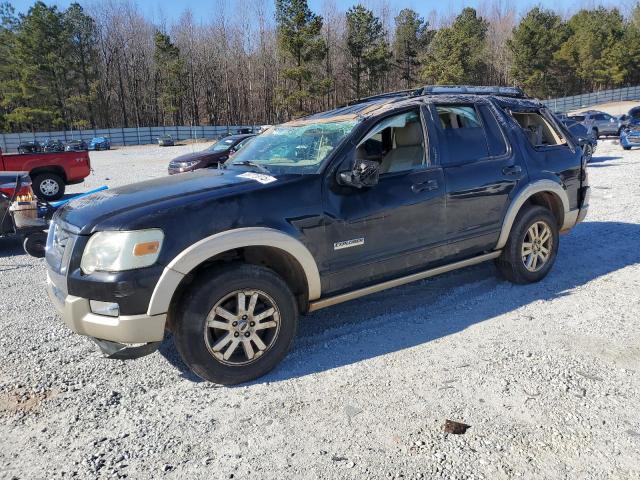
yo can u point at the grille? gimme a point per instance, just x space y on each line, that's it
59 247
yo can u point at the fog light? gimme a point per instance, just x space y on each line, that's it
105 308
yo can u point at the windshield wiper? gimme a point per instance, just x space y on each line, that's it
249 163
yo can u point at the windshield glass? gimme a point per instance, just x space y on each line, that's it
294 148
222 145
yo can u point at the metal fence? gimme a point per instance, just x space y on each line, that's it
125 136
567 104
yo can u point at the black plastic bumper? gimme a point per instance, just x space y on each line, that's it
121 351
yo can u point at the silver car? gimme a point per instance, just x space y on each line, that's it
600 123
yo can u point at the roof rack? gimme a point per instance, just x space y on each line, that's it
513 92
411 92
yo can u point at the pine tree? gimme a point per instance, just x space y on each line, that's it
535 41
170 70
411 37
456 53
368 48
299 37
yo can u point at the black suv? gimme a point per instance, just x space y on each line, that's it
315 212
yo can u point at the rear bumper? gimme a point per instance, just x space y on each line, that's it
126 329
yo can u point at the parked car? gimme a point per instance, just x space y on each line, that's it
312 213
50 172
166 141
53 145
586 138
601 123
100 143
213 156
75 146
30 147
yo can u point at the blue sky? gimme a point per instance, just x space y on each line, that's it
171 9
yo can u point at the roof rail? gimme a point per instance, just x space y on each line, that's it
514 92
411 92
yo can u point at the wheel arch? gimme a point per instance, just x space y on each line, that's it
546 193
257 245
48 169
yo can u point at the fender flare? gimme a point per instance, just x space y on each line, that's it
524 195
190 258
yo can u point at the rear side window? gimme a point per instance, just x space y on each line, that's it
462 133
495 139
536 128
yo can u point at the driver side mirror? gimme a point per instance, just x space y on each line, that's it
365 173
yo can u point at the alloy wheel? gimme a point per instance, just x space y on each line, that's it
242 326
537 246
49 187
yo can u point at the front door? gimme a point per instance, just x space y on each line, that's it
379 232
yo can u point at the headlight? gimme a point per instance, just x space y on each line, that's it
118 251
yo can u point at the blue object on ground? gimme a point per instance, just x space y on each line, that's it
60 203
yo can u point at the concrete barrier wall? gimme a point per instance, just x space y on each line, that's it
124 136
567 104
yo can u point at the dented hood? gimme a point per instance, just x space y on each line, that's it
116 209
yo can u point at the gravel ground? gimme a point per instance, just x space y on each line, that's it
546 375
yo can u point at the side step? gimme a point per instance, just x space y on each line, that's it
396 282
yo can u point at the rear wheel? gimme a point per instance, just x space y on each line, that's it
236 324
588 152
532 246
48 186
596 134
627 148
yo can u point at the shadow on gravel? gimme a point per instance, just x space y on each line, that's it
11 247
601 162
418 313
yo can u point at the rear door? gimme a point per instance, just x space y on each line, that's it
480 169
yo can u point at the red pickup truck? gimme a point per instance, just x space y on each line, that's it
50 172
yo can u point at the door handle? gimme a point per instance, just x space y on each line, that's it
425 186
512 170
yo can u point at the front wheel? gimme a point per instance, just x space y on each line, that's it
532 246
236 324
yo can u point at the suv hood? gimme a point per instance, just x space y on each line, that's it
152 197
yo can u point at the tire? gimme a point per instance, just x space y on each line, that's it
588 152
34 244
204 348
511 263
596 134
627 148
48 186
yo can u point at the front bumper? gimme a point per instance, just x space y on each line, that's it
630 141
127 329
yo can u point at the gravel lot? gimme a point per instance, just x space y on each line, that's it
547 375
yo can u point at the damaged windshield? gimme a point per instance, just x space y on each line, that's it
293 148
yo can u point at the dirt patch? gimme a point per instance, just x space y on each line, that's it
22 400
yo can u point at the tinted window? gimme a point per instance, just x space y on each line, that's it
599 117
579 118
462 133
495 139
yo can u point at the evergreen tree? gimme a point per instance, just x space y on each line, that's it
170 70
41 58
368 48
410 38
8 23
81 29
594 49
535 41
456 53
299 36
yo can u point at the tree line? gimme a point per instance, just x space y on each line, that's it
258 63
